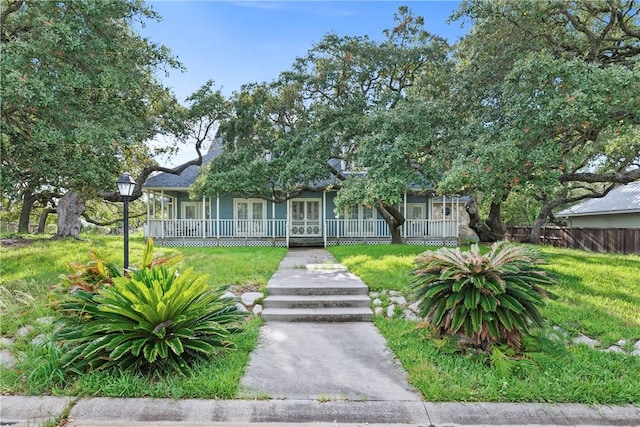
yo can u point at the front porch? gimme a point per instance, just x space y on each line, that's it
281 232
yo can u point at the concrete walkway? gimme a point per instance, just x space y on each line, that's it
314 375
322 361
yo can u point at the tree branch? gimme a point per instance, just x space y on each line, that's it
618 177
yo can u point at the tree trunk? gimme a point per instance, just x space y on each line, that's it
491 230
496 222
394 220
28 200
536 228
70 208
43 219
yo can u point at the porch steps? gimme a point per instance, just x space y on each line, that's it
318 301
339 314
317 295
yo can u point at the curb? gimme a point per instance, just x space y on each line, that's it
31 411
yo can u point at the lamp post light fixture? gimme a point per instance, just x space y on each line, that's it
126 184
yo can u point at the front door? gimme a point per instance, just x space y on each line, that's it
305 218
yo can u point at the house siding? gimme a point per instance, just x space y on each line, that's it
628 220
224 229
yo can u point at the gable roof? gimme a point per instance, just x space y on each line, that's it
168 181
622 199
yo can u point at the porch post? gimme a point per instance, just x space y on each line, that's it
324 217
288 219
273 219
218 217
457 217
203 217
444 217
148 193
404 229
162 213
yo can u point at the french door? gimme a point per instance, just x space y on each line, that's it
250 217
305 218
361 221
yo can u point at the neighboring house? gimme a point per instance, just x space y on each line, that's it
173 219
620 208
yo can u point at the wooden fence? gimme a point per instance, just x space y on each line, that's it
618 240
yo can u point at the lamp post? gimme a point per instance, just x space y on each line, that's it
126 184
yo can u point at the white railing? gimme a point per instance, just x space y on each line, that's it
378 228
211 228
333 228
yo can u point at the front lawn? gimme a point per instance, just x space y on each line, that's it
598 296
29 278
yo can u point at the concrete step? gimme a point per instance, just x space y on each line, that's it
317 289
341 314
316 301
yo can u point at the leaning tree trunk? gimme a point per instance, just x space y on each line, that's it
70 208
28 200
43 219
536 228
492 229
394 220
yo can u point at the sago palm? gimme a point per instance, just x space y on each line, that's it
492 298
153 320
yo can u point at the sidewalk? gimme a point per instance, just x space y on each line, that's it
322 361
315 375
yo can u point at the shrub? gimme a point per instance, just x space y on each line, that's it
487 299
97 272
155 320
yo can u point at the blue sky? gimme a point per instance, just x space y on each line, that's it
237 42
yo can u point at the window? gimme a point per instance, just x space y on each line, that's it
414 210
250 217
191 210
416 226
361 221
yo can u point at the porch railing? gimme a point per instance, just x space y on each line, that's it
333 228
212 228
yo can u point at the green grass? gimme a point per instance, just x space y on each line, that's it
584 376
29 278
380 266
597 295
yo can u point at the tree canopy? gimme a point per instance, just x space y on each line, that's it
341 110
537 103
80 97
547 93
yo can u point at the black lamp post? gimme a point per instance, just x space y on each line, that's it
126 184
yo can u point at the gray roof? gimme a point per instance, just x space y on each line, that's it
167 181
622 199
186 178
